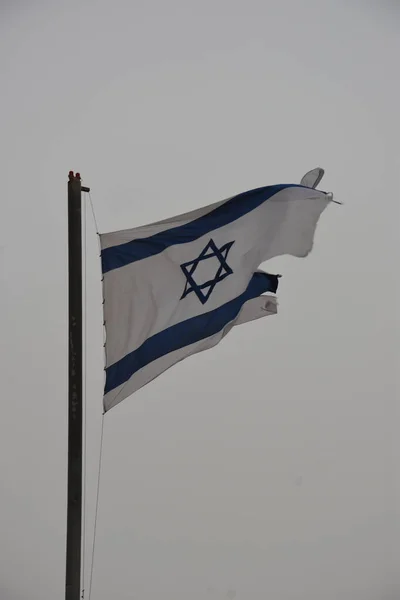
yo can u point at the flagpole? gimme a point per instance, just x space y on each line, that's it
75 355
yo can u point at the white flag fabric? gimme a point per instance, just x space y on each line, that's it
176 287
312 178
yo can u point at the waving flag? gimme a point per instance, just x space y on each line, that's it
176 287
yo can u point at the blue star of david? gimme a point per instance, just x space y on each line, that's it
204 290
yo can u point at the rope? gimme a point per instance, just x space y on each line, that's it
92 557
94 214
97 507
102 281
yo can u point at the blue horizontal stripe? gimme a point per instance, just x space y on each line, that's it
186 333
124 254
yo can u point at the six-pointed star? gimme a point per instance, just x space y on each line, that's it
204 290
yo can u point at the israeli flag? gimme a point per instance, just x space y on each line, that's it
177 287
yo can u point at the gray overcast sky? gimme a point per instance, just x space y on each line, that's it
267 467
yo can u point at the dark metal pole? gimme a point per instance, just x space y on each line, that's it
74 507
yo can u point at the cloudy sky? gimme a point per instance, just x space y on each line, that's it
266 468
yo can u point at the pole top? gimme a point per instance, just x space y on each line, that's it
71 175
77 177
